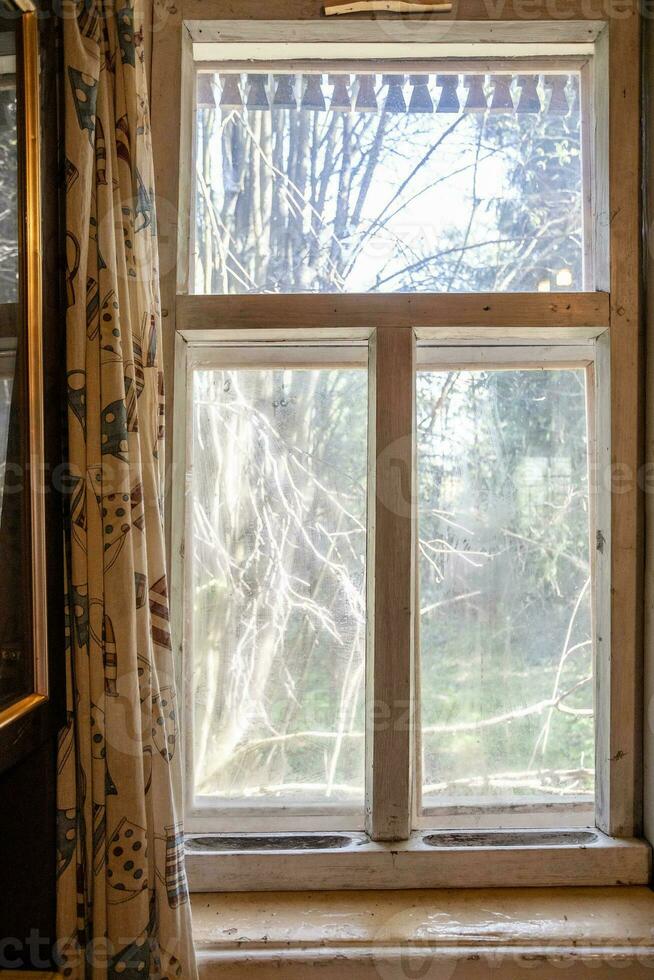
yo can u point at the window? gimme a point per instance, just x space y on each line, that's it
277 605
506 588
403 577
277 531
369 181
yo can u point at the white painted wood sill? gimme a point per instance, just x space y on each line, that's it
463 934
434 859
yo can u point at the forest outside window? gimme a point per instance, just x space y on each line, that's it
278 528
382 180
276 604
505 516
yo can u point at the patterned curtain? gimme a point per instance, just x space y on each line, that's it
123 909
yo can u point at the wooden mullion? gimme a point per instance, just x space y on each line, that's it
391 585
598 390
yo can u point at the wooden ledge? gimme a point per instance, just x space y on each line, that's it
440 935
415 864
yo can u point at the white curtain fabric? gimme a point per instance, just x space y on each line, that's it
123 908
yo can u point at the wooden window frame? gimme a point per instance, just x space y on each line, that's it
445 58
222 350
591 355
387 353
615 307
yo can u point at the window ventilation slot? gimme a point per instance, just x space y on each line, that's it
269 842
520 838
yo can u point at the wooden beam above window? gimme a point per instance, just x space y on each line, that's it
524 14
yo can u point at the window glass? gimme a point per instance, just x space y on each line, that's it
374 182
506 653
277 503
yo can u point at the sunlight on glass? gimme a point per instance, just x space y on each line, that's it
278 502
388 183
506 657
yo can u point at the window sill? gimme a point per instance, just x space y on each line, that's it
363 864
438 935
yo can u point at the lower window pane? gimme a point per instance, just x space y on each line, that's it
277 625
506 657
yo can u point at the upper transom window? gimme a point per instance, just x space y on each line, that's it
389 177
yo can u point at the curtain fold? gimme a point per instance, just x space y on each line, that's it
123 908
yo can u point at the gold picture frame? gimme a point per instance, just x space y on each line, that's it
30 303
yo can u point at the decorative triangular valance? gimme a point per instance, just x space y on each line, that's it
443 92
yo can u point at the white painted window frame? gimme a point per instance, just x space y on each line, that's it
204 815
593 357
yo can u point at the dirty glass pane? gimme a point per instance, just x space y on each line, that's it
371 182
277 498
506 658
